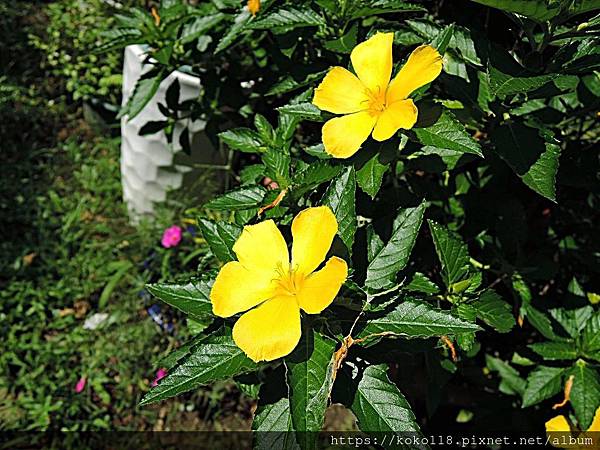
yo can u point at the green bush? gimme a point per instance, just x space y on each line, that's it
469 234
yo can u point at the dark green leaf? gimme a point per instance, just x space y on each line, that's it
214 358
143 92
314 175
243 139
370 176
585 393
220 237
513 383
420 283
340 197
494 311
375 7
191 298
416 319
152 127
452 252
199 26
243 198
552 351
394 255
305 110
534 9
380 406
288 18
273 423
544 382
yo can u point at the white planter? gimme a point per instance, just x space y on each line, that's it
148 169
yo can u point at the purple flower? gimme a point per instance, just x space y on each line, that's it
80 386
171 237
160 373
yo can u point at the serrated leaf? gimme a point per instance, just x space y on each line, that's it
420 283
542 383
340 197
379 406
514 384
304 110
585 393
376 7
191 298
220 237
238 28
416 319
214 358
314 175
554 351
504 84
288 18
449 133
310 379
243 198
452 252
591 336
370 175
394 255
243 139
494 311
199 26
532 158
534 9
144 91
572 320
273 424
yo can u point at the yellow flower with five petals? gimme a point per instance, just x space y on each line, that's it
273 289
369 100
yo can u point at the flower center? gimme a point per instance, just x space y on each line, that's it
376 101
289 281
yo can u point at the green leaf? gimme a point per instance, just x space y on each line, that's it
273 424
278 166
416 319
553 351
494 311
591 337
143 92
304 110
532 157
544 382
344 44
243 198
585 393
370 175
452 252
238 28
199 26
420 283
191 298
504 84
243 139
340 197
318 151
220 237
288 19
374 243
442 39
310 379
449 133
314 175
394 255
534 9
380 406
215 358
513 383
572 320
376 7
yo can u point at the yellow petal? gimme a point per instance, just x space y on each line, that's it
558 424
401 114
238 289
270 331
320 288
262 247
595 426
313 230
341 92
423 66
372 61
343 136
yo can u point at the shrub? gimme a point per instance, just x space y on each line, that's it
463 227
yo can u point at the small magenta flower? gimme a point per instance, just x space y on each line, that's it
160 374
80 386
171 237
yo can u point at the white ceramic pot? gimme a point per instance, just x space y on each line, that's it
148 168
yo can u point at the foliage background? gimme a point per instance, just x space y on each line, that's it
505 153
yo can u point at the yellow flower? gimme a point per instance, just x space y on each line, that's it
253 6
370 101
263 278
559 426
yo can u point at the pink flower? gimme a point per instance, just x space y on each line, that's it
80 385
160 374
171 237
